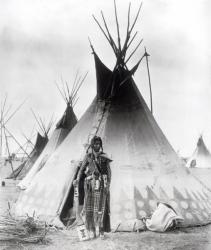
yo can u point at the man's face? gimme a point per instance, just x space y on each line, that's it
96 146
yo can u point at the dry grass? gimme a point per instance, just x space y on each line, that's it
24 230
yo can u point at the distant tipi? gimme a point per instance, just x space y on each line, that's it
201 157
145 168
40 144
63 127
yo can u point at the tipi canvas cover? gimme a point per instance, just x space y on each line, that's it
201 157
39 146
145 168
63 127
200 163
21 171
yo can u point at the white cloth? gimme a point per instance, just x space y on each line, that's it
162 218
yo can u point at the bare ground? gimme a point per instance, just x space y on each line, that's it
198 238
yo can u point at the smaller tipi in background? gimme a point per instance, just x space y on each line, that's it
201 157
63 127
41 141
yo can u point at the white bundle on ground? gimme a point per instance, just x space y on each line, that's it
164 218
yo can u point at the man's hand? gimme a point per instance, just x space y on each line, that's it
89 177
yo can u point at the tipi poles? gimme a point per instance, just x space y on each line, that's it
28 139
40 123
118 51
26 145
2 117
150 86
19 149
14 112
16 141
28 142
70 97
78 87
134 51
8 151
5 120
109 37
1 135
126 45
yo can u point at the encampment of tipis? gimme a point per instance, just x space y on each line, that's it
146 170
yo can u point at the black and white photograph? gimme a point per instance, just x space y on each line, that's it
105 125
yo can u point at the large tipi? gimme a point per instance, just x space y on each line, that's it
145 168
39 146
63 127
201 157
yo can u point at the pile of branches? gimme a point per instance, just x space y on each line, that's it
24 230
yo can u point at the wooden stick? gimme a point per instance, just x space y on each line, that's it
60 91
150 86
75 90
117 24
43 126
68 91
75 102
131 71
127 31
40 126
134 51
6 112
63 89
74 86
16 141
16 110
131 40
79 86
101 29
26 147
8 151
2 119
135 20
112 43
31 135
50 123
18 150
28 140
90 43
5 100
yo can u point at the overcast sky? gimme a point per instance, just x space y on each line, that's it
42 40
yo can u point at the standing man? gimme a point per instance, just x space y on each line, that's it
95 177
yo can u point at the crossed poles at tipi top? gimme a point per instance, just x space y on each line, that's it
5 116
